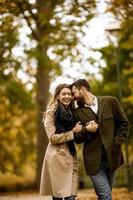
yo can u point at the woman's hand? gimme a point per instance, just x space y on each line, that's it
92 126
77 127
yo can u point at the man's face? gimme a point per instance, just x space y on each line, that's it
78 96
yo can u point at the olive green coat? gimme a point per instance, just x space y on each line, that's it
112 132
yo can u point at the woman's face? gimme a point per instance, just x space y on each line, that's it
65 96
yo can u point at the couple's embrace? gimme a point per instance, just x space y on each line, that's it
97 122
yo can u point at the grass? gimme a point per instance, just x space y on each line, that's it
12 182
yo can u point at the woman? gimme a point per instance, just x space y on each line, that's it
60 172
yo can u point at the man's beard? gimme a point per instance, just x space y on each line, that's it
80 101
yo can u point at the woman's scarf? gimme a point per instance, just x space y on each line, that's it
64 121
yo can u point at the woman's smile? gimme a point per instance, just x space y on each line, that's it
65 96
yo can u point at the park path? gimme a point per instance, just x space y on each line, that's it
86 194
25 197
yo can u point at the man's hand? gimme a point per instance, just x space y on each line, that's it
92 126
77 127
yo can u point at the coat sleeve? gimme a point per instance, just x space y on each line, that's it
121 123
84 134
50 130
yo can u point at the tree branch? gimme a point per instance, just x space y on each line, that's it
32 14
28 21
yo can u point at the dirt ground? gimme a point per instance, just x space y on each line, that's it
118 194
86 194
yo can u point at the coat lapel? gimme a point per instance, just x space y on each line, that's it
100 108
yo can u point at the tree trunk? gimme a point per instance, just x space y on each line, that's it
45 9
43 82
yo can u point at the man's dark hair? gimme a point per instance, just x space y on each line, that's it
81 83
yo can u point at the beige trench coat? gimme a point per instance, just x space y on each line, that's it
59 176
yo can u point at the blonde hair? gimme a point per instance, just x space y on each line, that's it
54 101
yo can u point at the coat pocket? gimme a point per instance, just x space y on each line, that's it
108 116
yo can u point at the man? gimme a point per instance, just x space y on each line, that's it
102 150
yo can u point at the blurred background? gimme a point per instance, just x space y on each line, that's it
47 42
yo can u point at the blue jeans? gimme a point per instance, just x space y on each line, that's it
103 182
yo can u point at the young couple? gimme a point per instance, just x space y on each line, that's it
99 123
